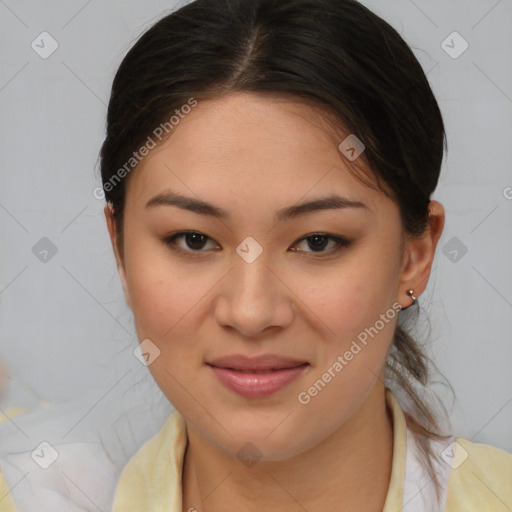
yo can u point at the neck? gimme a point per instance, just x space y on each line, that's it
349 471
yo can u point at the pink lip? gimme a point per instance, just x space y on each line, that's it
235 373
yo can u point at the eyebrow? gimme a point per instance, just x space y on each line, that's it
200 207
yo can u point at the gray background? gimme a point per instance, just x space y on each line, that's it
65 330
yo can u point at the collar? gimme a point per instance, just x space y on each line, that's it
395 496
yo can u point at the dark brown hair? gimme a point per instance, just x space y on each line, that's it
334 54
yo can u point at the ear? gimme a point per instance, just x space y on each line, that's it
419 254
109 216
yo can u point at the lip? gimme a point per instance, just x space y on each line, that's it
256 377
259 363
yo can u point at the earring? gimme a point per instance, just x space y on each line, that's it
110 206
411 294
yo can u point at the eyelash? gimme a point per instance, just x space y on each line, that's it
170 241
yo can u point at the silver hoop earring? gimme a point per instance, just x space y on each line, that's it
411 294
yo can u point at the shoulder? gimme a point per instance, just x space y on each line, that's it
480 479
153 474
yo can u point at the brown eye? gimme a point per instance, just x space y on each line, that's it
192 241
195 241
317 242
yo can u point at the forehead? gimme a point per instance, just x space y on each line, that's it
247 148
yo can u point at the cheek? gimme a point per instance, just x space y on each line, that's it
165 303
351 298
170 301
360 321
358 309
162 291
357 305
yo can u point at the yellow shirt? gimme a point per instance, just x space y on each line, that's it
475 477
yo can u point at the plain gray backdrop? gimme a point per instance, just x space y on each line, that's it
64 326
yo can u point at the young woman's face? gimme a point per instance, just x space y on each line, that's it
238 287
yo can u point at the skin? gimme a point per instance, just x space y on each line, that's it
252 155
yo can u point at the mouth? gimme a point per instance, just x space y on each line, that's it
257 377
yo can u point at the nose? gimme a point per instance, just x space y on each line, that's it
253 300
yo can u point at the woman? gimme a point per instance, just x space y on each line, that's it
278 221
268 167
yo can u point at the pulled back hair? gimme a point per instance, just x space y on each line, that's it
335 55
